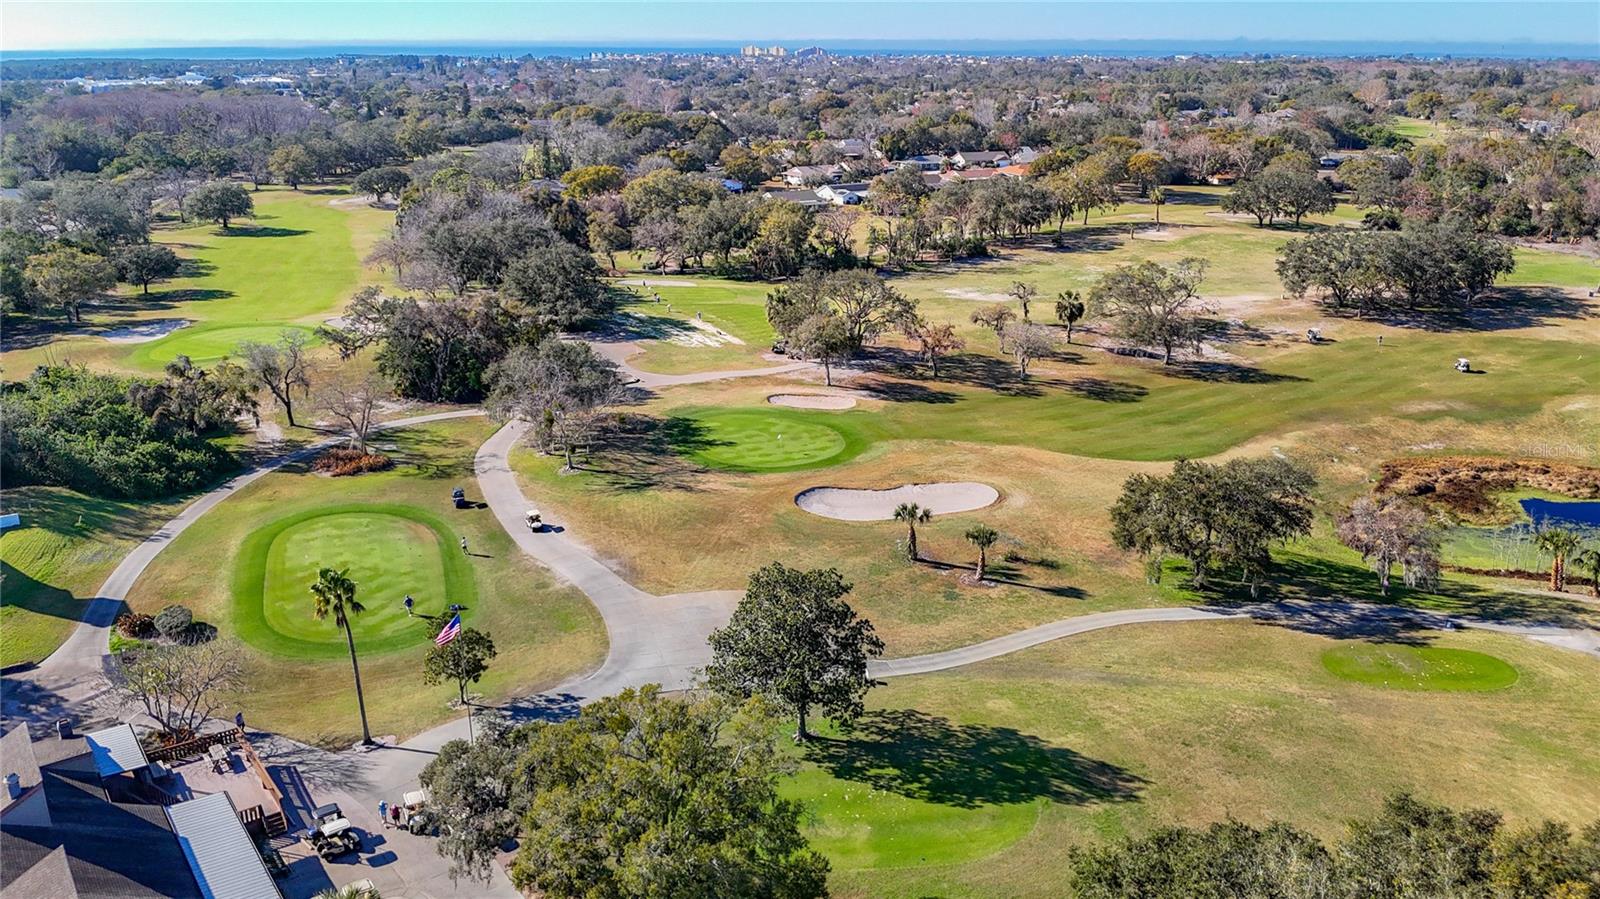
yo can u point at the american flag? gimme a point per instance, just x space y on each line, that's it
450 632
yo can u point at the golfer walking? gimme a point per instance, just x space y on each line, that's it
464 547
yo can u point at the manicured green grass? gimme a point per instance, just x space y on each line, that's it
294 263
389 550
1003 766
205 344
51 566
300 683
736 307
1402 667
1541 267
769 440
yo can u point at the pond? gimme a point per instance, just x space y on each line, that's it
1563 513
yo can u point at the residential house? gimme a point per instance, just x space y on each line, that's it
844 194
809 175
991 159
86 816
855 148
806 198
921 162
1025 155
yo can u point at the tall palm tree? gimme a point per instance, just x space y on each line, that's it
1588 562
1559 543
335 594
982 536
913 515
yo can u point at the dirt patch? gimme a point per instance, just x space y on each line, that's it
1162 233
1466 485
847 504
145 332
977 296
812 400
1232 216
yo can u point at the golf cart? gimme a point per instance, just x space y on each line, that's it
331 834
420 820
535 520
459 497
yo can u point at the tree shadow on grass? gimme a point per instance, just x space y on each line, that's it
1501 309
643 452
930 758
1343 601
26 592
1104 390
261 231
906 392
1225 373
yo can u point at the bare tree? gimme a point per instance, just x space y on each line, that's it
282 367
354 406
994 317
561 386
1390 531
934 341
180 686
1029 342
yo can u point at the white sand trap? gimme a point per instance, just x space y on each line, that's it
846 504
977 296
812 400
705 334
146 331
660 282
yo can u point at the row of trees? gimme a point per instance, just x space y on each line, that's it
1409 848
1427 267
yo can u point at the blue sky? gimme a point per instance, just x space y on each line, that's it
66 24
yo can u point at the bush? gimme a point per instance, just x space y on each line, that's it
68 427
136 626
346 461
173 621
196 633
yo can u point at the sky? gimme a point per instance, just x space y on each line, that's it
70 24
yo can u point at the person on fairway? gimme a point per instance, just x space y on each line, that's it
464 547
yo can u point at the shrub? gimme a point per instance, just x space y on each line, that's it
348 461
173 620
68 427
196 633
136 626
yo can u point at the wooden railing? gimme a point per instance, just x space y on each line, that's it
196 747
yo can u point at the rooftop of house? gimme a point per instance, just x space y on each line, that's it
108 850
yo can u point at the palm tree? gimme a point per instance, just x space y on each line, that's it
982 536
1588 562
1158 196
334 593
1069 308
1559 543
913 515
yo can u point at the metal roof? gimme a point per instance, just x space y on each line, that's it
116 749
220 853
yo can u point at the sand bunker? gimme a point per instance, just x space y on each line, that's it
812 400
878 505
145 331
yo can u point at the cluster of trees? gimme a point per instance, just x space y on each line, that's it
832 315
1426 267
1148 303
121 437
639 790
1226 516
1288 187
599 802
1409 848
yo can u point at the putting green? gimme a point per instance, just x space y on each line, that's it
390 551
1419 667
762 440
204 344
